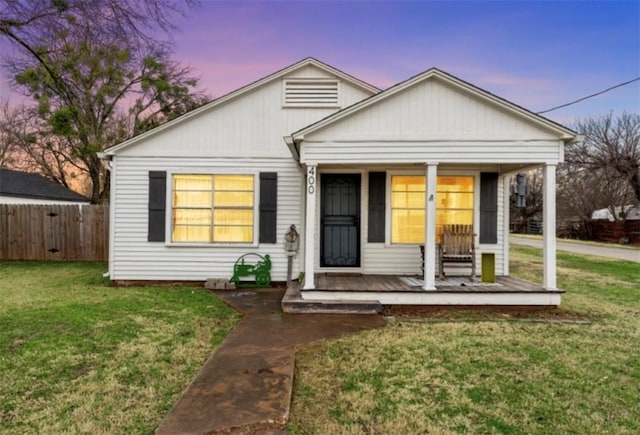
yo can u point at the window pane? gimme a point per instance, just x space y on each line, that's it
455 184
191 233
233 199
407 199
191 199
408 226
234 182
454 200
448 217
233 217
213 208
233 234
405 183
454 205
190 216
192 182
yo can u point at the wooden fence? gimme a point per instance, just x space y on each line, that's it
616 232
54 232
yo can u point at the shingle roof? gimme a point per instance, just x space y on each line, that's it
24 184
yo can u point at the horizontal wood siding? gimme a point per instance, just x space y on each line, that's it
251 125
137 259
54 232
435 109
431 122
454 151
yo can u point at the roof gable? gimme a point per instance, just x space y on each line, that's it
301 65
25 184
457 87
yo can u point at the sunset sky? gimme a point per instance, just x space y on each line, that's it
536 54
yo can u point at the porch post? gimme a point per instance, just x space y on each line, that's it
430 227
506 203
549 226
309 227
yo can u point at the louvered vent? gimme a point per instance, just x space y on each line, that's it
311 93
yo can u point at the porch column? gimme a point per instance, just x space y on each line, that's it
309 227
430 227
506 203
549 226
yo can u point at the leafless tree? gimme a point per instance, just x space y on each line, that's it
600 172
97 74
611 148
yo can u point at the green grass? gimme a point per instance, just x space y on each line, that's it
77 355
439 375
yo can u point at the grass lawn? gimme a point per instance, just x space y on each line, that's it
77 355
488 372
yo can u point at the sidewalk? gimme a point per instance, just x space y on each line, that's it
246 384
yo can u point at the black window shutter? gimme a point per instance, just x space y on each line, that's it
488 207
157 205
377 193
268 207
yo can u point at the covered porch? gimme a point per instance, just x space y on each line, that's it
386 175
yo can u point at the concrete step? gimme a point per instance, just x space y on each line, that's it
293 303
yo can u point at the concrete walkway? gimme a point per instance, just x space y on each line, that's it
246 384
628 254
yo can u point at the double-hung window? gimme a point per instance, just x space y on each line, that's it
454 205
213 208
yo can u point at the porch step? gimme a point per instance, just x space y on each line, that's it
292 303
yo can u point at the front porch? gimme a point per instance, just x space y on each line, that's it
352 289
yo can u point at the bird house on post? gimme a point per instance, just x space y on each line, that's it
521 190
292 241
291 244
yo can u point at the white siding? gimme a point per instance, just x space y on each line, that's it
399 152
432 107
252 124
431 122
135 258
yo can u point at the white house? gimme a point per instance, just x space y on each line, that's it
367 176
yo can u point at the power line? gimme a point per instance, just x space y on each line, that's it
590 96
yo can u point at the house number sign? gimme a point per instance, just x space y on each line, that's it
311 180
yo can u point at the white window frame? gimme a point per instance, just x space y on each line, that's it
212 171
441 173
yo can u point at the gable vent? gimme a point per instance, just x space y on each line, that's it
311 93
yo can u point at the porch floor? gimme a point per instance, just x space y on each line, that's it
394 283
379 290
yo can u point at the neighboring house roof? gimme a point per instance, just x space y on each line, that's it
28 185
248 88
632 213
565 133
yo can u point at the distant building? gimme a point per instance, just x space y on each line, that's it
18 187
630 213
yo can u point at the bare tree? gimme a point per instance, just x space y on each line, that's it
611 147
600 172
97 75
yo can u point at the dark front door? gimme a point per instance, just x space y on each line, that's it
340 220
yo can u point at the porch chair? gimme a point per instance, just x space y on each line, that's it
457 248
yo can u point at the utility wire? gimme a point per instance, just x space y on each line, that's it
590 96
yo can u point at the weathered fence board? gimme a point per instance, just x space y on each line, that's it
615 232
54 232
